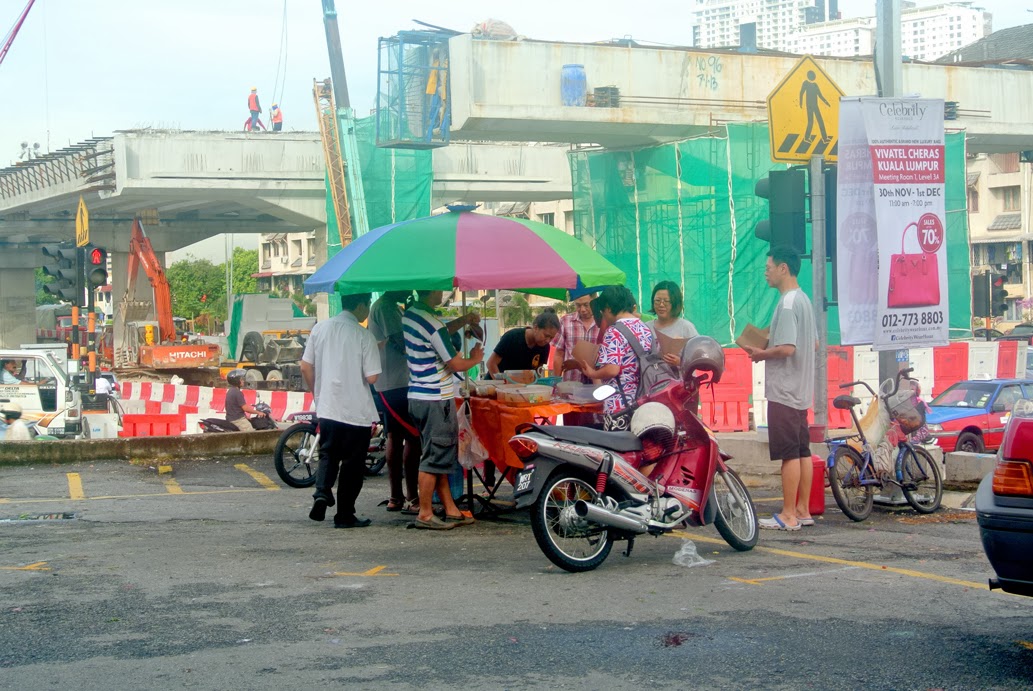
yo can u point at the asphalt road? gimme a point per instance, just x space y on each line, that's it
211 576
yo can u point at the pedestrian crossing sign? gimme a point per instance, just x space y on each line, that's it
803 115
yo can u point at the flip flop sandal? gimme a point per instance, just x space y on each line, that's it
411 508
806 521
776 523
393 504
433 523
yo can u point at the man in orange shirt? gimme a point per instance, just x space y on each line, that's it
254 106
277 118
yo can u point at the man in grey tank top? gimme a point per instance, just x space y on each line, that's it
789 387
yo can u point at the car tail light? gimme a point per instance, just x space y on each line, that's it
523 447
1013 478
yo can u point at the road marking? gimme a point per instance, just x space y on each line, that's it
38 566
843 562
75 486
171 486
260 478
375 571
164 469
762 581
134 496
1025 644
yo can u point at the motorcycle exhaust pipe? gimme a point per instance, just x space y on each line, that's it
597 514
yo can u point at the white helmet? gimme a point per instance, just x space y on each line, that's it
11 409
655 420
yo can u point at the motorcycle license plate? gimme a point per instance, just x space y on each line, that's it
523 481
305 417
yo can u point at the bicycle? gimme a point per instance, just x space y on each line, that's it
853 476
296 456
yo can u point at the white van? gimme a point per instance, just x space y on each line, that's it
44 392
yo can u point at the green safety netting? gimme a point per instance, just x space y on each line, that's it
686 212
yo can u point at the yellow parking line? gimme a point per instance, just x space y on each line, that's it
844 562
260 478
375 571
171 486
38 566
75 486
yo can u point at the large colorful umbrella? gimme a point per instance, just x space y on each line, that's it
462 250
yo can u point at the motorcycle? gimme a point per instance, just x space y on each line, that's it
296 455
586 488
215 425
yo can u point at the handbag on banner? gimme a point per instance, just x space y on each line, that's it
914 278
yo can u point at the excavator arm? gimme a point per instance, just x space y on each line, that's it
142 254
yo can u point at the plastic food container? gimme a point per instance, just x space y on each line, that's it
548 381
525 395
577 392
520 376
484 389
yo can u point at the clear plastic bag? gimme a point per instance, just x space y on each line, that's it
689 557
471 451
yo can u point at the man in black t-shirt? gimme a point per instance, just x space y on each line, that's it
525 348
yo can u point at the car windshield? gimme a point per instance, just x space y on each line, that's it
966 394
1022 330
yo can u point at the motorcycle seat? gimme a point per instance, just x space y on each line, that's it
621 442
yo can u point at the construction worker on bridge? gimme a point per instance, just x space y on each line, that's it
254 107
277 117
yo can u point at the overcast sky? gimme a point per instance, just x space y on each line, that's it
81 69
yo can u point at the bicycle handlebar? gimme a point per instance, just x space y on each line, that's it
902 374
852 384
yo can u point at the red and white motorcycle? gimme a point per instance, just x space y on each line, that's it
588 488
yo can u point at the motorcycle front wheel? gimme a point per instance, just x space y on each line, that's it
736 517
296 456
569 541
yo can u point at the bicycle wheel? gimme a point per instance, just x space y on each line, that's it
921 482
296 457
854 499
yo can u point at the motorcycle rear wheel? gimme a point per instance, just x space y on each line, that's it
736 517
295 458
570 542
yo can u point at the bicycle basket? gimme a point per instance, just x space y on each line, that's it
907 411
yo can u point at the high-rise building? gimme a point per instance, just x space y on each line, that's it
926 33
715 23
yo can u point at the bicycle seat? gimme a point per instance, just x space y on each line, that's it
845 402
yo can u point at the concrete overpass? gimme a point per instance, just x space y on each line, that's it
203 184
510 91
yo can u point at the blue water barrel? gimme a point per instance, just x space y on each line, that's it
573 85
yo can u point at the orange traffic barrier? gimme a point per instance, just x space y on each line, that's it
151 426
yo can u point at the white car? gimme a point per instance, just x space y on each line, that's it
45 393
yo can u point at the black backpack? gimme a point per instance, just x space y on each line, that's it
653 373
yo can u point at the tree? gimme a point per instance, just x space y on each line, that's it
245 265
42 296
189 280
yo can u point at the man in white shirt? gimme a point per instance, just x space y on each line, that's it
340 362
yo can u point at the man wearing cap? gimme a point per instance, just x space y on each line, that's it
254 106
277 118
11 426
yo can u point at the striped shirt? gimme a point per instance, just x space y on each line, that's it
428 348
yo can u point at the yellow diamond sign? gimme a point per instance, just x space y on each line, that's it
82 224
803 115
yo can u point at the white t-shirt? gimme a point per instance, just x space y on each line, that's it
102 385
343 355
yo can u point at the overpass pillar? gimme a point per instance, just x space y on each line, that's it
17 298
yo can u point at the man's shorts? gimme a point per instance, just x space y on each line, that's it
789 435
439 435
395 404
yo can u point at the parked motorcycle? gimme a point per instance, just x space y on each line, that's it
214 425
587 488
296 456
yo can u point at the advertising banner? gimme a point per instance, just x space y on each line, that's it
906 175
856 240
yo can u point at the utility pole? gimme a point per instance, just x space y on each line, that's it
818 259
889 76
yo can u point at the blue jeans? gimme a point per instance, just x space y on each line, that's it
254 120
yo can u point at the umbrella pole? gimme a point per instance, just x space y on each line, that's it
466 395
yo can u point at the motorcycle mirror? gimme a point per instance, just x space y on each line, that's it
603 392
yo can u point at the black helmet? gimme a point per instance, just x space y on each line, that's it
702 353
234 376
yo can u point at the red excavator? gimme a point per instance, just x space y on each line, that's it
152 345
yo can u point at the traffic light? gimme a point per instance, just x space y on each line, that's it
786 224
998 294
96 266
981 295
59 262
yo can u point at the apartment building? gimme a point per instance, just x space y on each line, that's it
715 23
999 205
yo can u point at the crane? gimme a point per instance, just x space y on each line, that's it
339 144
14 32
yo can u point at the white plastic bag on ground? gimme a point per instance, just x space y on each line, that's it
688 556
471 451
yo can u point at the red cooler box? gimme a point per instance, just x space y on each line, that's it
818 486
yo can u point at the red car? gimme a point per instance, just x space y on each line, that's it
971 415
